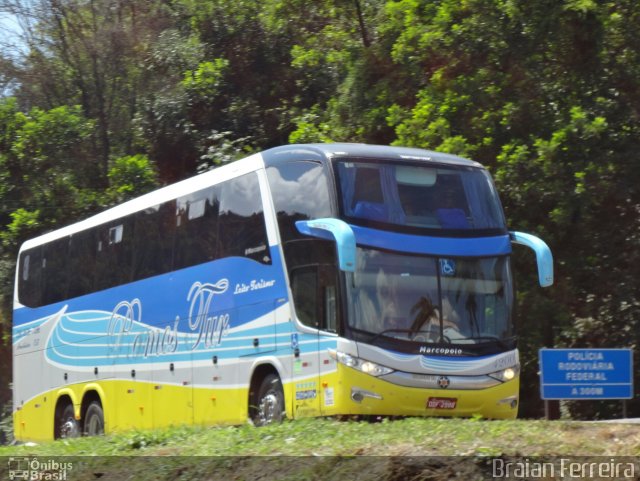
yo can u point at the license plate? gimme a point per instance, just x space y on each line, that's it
442 403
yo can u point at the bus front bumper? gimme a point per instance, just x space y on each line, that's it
358 393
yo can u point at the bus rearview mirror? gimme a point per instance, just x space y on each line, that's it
543 255
335 230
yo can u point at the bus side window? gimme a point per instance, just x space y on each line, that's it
82 263
153 244
304 286
314 290
300 191
29 282
114 246
55 267
242 231
196 228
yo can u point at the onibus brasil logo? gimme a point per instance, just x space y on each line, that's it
35 469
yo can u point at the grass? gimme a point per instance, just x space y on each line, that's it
327 449
330 437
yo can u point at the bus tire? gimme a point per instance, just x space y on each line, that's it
67 426
268 404
94 420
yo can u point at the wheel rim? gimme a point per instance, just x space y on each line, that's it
269 408
69 428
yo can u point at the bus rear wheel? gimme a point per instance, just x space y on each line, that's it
94 420
268 403
67 426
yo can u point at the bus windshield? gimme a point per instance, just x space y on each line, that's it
431 299
438 197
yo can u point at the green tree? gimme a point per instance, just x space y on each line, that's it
91 54
539 92
131 176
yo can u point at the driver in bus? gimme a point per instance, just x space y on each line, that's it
450 321
427 319
388 299
379 310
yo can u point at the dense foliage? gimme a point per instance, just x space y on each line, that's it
105 100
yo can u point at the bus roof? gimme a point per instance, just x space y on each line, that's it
153 198
364 151
253 162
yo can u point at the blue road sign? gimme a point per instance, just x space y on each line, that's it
586 373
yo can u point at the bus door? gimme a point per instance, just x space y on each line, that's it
314 291
304 286
328 334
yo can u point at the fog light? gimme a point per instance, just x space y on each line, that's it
512 401
358 395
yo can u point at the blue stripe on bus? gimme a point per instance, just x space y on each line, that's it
188 314
437 246
101 351
88 354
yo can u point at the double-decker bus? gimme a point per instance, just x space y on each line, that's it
306 280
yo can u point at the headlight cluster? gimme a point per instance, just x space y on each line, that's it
361 365
507 374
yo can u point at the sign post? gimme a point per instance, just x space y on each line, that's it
580 374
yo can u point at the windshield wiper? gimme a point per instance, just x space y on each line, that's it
411 333
382 333
502 342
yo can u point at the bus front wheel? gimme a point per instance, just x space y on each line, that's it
268 404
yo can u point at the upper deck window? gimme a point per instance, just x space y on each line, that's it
456 199
223 220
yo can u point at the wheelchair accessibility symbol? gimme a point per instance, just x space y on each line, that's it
447 267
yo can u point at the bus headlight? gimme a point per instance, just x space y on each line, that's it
507 374
361 365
